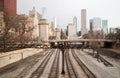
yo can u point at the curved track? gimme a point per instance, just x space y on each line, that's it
88 73
106 63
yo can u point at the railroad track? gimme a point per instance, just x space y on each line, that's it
106 63
55 66
70 69
37 73
88 73
26 69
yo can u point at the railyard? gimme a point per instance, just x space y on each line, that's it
78 63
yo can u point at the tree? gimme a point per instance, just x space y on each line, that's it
17 29
115 36
95 46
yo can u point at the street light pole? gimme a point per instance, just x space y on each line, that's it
63 70
39 34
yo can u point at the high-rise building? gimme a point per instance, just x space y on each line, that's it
71 30
44 13
43 29
91 25
97 24
83 22
35 20
54 26
58 33
105 27
8 6
55 23
75 22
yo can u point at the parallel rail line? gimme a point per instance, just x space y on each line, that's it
83 66
71 70
106 63
41 68
22 74
55 67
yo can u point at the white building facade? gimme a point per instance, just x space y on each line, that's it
83 22
58 33
71 30
43 29
35 17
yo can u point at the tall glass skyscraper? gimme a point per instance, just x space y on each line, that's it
105 27
97 24
75 22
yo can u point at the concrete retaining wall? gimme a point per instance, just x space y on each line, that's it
14 56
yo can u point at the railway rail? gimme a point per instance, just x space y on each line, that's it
37 58
54 70
37 73
55 67
102 59
70 69
106 63
88 73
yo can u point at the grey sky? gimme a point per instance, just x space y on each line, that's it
65 10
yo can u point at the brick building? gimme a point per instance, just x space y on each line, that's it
8 6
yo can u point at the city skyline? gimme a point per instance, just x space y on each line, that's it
65 10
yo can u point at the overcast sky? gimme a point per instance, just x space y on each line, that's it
65 10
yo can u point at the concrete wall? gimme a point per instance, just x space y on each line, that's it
14 56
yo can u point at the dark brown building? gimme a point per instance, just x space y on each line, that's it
8 6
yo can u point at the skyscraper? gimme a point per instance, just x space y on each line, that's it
8 6
55 23
97 24
35 17
71 30
83 22
91 25
75 22
44 29
105 27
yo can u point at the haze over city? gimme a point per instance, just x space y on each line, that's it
65 10
59 39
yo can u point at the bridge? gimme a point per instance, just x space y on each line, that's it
58 43
82 42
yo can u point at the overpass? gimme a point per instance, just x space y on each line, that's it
82 40
58 43
67 42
